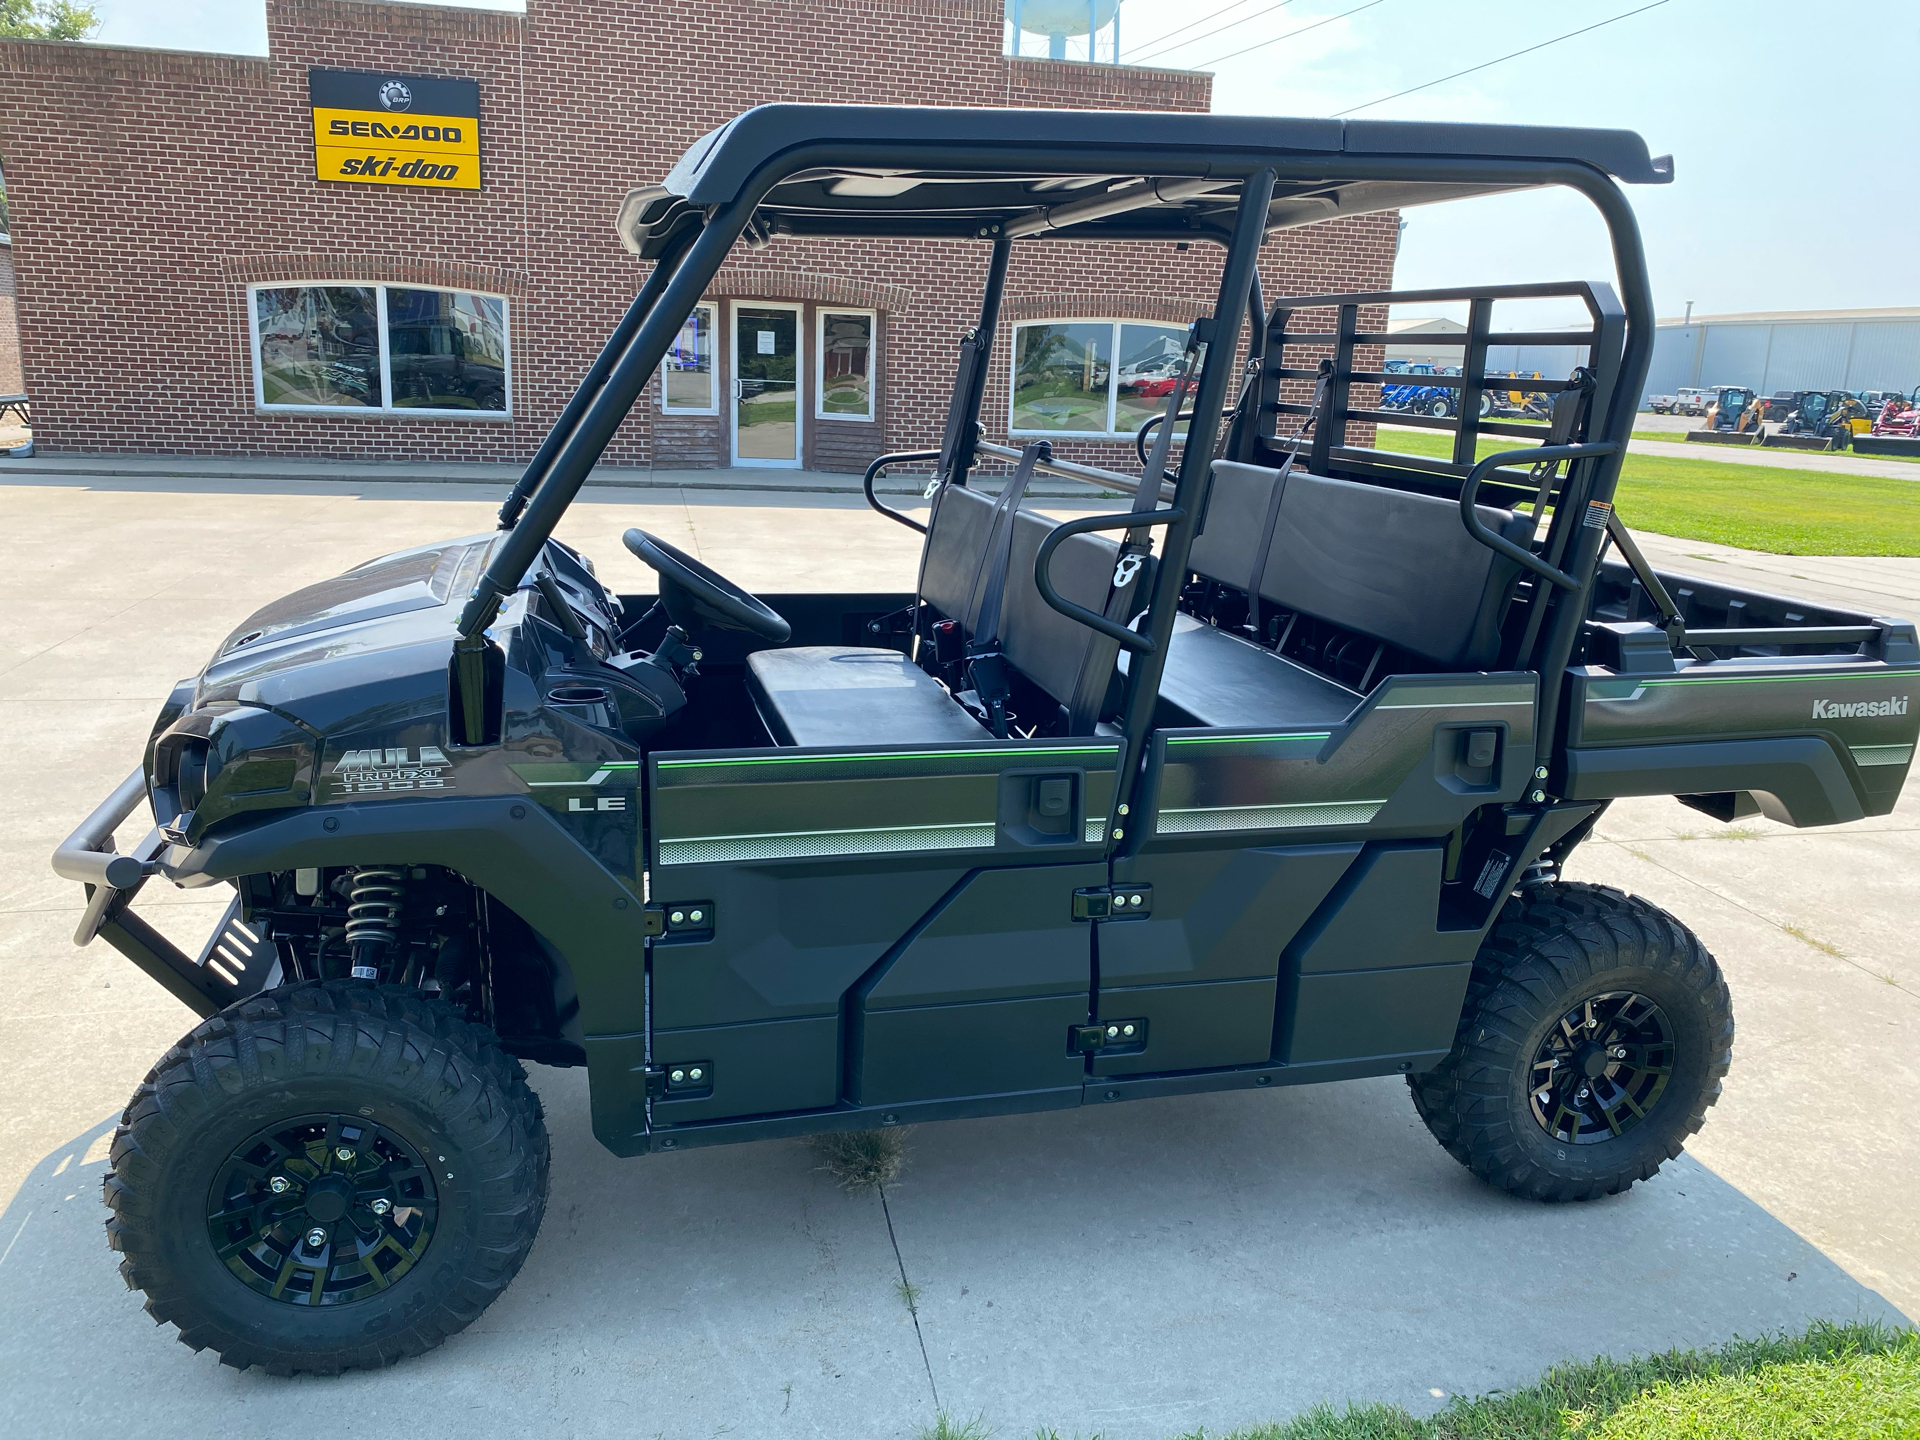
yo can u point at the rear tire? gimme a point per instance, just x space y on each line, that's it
1571 977
327 1176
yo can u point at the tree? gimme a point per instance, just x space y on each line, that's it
47 20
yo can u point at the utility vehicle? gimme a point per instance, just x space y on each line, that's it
1267 778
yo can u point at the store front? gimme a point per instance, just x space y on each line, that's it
412 255
776 384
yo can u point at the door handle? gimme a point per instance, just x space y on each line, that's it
736 389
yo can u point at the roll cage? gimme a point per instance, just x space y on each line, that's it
996 176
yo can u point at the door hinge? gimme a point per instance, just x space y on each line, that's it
1111 1037
693 918
1112 902
686 1081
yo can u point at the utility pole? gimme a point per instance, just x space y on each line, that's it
1689 319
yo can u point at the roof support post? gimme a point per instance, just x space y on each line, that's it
1595 506
1222 335
970 383
590 386
589 438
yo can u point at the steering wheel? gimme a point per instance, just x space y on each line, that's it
696 597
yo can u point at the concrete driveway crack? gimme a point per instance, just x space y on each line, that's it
907 1290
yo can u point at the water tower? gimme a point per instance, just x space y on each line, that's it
1059 20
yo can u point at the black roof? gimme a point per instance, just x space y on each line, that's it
923 170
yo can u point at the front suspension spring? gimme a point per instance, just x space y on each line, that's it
373 916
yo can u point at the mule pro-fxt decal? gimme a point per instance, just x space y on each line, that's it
389 770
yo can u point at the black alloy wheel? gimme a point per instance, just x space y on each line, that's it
1602 1069
322 1210
325 1176
1594 1036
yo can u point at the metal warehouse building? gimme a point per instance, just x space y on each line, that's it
1790 350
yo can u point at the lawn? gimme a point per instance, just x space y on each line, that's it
1839 1382
1756 507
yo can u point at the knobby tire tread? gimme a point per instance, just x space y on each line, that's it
1550 940
336 1030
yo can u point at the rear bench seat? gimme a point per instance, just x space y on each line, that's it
826 695
1397 566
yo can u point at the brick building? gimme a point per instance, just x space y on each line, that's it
186 284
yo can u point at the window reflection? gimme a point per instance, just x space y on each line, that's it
686 375
1061 374
846 365
447 350
319 345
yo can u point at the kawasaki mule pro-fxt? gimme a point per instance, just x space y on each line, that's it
1265 779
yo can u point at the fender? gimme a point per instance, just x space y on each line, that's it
506 845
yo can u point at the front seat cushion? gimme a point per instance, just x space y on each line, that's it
827 695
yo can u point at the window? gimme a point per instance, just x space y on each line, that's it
1092 377
846 365
687 374
380 348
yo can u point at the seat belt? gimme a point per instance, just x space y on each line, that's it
1320 387
1090 690
986 664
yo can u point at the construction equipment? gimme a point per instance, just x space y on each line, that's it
1824 420
1732 419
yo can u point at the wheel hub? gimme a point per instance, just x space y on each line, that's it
1602 1068
329 1197
322 1210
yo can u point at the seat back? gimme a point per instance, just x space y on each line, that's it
1071 663
1397 566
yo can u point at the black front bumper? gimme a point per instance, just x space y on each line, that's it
234 963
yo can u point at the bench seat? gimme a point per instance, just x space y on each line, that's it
828 695
1224 682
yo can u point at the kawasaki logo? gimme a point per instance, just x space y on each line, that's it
1834 710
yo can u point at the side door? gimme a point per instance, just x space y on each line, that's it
1309 894
874 926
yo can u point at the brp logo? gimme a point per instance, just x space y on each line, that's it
395 95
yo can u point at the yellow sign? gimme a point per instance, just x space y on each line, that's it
395 129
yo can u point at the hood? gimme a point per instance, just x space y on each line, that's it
418 579
357 628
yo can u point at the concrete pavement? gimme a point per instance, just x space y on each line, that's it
1137 1270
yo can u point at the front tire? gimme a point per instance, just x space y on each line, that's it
1595 1035
327 1176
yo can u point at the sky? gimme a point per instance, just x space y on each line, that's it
1791 125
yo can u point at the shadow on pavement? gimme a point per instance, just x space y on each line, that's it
1137 1270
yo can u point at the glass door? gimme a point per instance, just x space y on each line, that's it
766 384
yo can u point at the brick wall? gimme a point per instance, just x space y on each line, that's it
149 188
10 379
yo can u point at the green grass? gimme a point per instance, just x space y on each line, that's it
1757 507
1838 1382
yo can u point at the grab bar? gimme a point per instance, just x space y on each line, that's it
1130 640
1536 454
902 457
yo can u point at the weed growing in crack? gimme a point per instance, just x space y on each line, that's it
863 1160
1823 946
